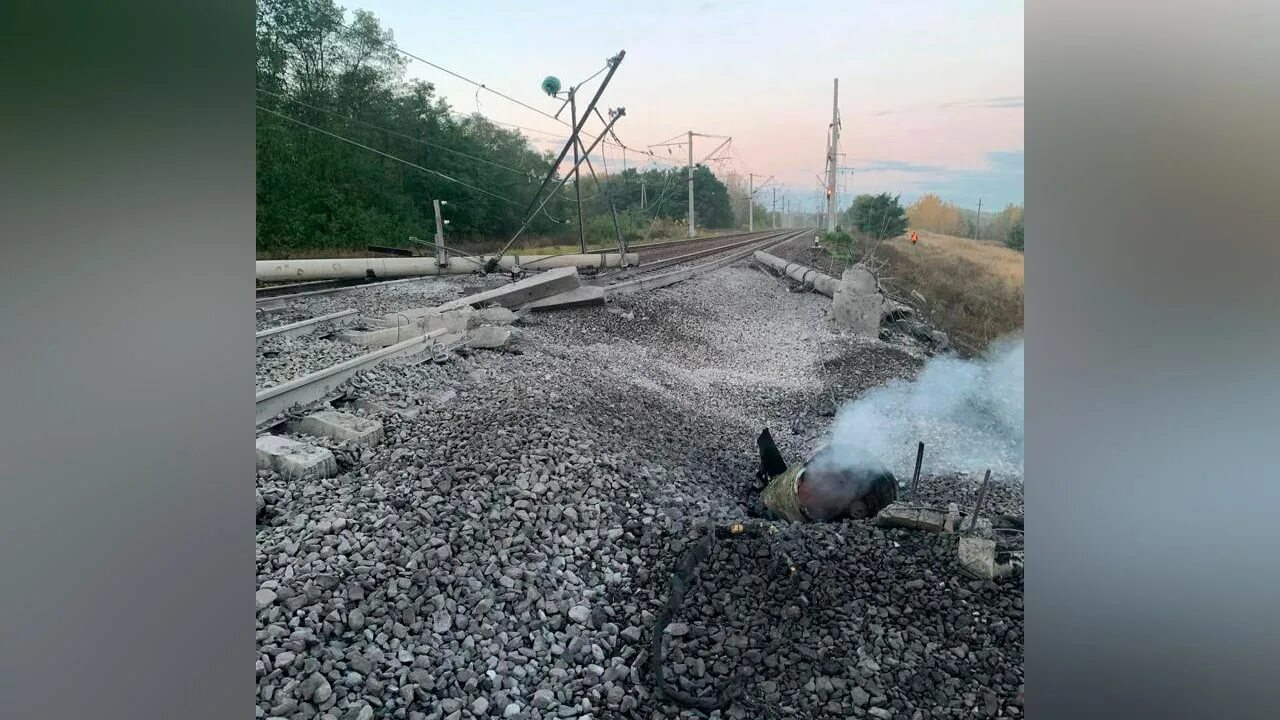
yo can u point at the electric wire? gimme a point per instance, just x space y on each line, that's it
406 136
401 160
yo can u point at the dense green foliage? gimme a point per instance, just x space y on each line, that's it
1014 238
876 216
316 191
840 245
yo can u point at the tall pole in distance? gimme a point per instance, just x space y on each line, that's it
577 173
978 224
832 159
692 232
751 202
775 208
641 193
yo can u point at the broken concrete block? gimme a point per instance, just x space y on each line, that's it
293 459
493 316
581 297
451 321
913 517
978 556
489 336
342 426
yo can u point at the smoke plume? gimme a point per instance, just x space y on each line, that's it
969 413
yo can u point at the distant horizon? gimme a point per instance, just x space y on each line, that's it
931 100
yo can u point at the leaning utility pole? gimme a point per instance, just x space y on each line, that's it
612 63
832 155
577 176
978 223
692 232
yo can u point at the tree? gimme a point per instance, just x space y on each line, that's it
1014 238
877 216
325 85
932 214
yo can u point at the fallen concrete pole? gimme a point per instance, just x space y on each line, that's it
580 297
824 284
535 287
394 267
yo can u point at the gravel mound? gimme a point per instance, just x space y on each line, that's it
504 551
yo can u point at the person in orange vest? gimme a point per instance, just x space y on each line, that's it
915 237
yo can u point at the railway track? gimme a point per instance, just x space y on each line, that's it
663 271
663 265
276 295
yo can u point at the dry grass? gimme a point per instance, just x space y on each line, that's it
973 291
994 258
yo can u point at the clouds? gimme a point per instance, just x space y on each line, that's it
1000 183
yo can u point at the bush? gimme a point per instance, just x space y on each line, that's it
1014 238
878 216
840 245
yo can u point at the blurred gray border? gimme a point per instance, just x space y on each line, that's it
1152 349
126 469
127 207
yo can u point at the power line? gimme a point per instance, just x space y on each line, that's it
399 159
428 143
481 86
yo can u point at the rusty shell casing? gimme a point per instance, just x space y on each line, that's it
780 495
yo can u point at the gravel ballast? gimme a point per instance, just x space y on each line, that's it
503 552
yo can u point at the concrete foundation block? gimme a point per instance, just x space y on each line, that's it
859 313
295 460
489 336
342 426
859 281
857 303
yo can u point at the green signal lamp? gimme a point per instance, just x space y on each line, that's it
551 85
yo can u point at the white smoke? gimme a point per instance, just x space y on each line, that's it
968 413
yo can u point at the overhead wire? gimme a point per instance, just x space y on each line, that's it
406 136
482 86
400 160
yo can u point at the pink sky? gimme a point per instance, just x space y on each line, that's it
761 72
